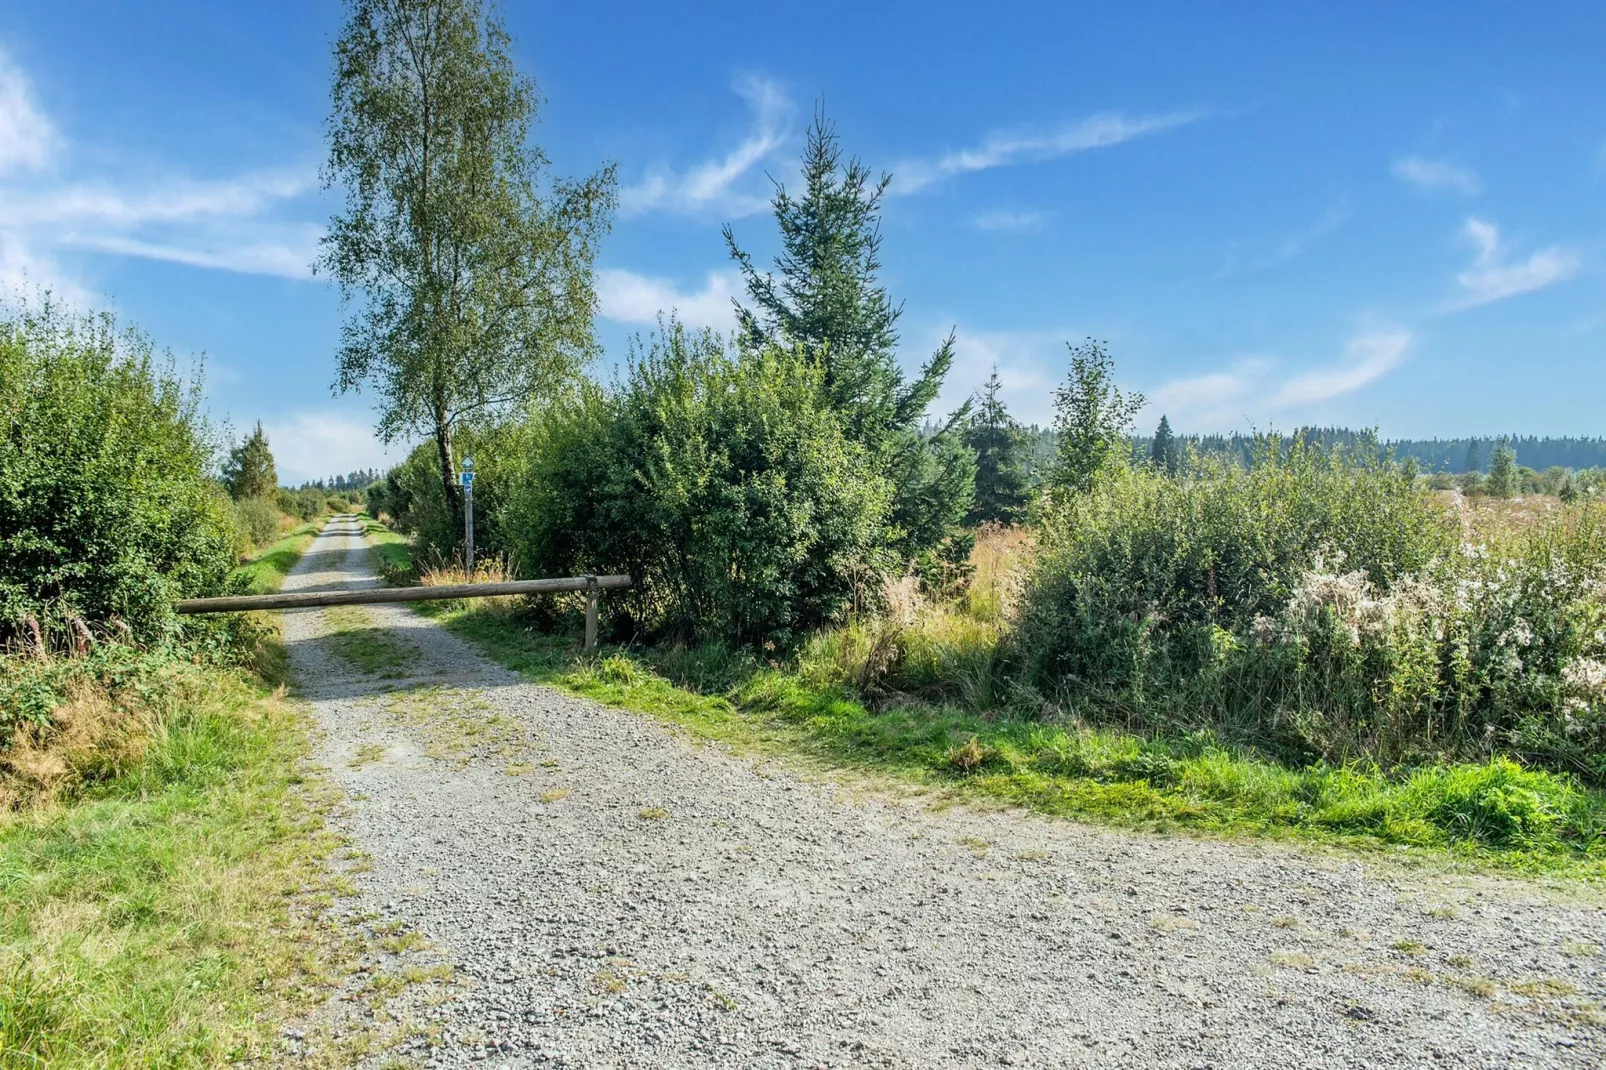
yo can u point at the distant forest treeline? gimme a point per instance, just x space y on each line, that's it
350 481
1432 454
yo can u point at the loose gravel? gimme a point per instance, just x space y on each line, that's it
564 884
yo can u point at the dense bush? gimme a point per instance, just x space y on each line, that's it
722 481
411 493
106 511
1325 605
257 520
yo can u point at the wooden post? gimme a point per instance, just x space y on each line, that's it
591 611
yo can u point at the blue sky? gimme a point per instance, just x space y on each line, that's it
1372 214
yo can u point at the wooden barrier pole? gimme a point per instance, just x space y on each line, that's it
374 595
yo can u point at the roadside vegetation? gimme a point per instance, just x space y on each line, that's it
161 854
917 694
1299 635
1292 634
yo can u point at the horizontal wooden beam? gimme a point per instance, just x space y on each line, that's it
373 595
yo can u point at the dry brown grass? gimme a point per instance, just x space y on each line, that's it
93 734
999 563
491 571
1484 516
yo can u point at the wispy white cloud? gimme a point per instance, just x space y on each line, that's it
1008 219
318 444
1005 149
628 297
1029 363
1203 398
1431 176
240 223
1251 392
1367 358
289 256
28 140
710 187
25 273
163 201
1491 278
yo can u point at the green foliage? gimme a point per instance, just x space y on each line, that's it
308 503
476 290
257 520
1502 481
1324 606
1002 488
1492 810
828 299
264 573
249 473
146 915
723 482
1091 420
414 500
106 511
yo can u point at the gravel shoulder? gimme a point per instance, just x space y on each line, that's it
545 881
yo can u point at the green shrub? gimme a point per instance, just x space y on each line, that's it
1324 606
106 511
412 496
257 520
722 482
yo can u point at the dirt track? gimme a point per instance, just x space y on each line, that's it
606 893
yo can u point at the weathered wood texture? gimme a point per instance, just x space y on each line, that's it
373 595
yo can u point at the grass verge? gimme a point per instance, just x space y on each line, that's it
160 912
395 559
1495 814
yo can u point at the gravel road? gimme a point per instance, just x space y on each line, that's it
562 884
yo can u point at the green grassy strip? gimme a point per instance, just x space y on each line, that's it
1496 814
265 573
395 563
370 649
150 921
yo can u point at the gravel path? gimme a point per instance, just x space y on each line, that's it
605 893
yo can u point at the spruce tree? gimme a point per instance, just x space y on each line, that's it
825 296
249 471
1502 482
1163 451
1474 461
1001 483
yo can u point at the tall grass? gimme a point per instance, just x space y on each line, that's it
148 906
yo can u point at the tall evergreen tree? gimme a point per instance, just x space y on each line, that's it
475 286
1002 489
825 295
1502 481
1474 461
1163 450
249 472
